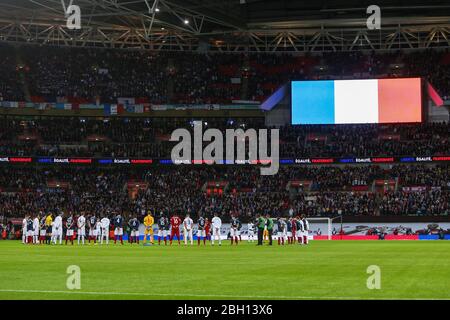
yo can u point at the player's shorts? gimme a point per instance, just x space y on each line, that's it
69 233
105 232
162 233
96 232
234 232
118 231
82 232
135 233
216 231
201 233
289 233
280 234
36 232
91 232
148 230
30 233
188 231
43 232
57 232
251 234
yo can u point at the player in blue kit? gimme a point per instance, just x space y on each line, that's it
70 226
134 227
201 232
30 232
163 228
234 230
281 233
92 222
289 231
118 228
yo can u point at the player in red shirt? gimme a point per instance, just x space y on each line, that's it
207 229
294 230
175 222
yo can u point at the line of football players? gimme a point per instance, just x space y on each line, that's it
46 229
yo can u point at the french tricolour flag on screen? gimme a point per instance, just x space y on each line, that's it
356 101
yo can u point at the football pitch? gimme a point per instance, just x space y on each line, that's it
321 270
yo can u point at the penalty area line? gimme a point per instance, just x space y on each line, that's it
144 294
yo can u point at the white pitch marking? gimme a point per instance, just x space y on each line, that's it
209 296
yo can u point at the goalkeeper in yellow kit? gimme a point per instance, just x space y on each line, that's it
148 224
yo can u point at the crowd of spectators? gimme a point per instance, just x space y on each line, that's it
425 202
184 189
90 75
141 137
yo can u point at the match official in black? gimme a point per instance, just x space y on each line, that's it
269 224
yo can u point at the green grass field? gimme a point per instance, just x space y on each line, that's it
322 270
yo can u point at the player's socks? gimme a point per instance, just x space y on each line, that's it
236 240
121 240
231 240
198 241
305 239
204 241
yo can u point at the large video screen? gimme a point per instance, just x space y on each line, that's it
357 101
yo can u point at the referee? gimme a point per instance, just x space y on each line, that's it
261 223
269 224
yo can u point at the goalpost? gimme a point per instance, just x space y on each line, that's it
323 221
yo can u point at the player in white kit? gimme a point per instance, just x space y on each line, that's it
105 229
97 231
36 224
216 225
305 229
57 229
250 232
188 224
24 230
81 224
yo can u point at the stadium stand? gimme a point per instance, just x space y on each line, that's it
47 136
327 190
81 75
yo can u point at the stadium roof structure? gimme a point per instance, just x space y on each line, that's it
229 25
